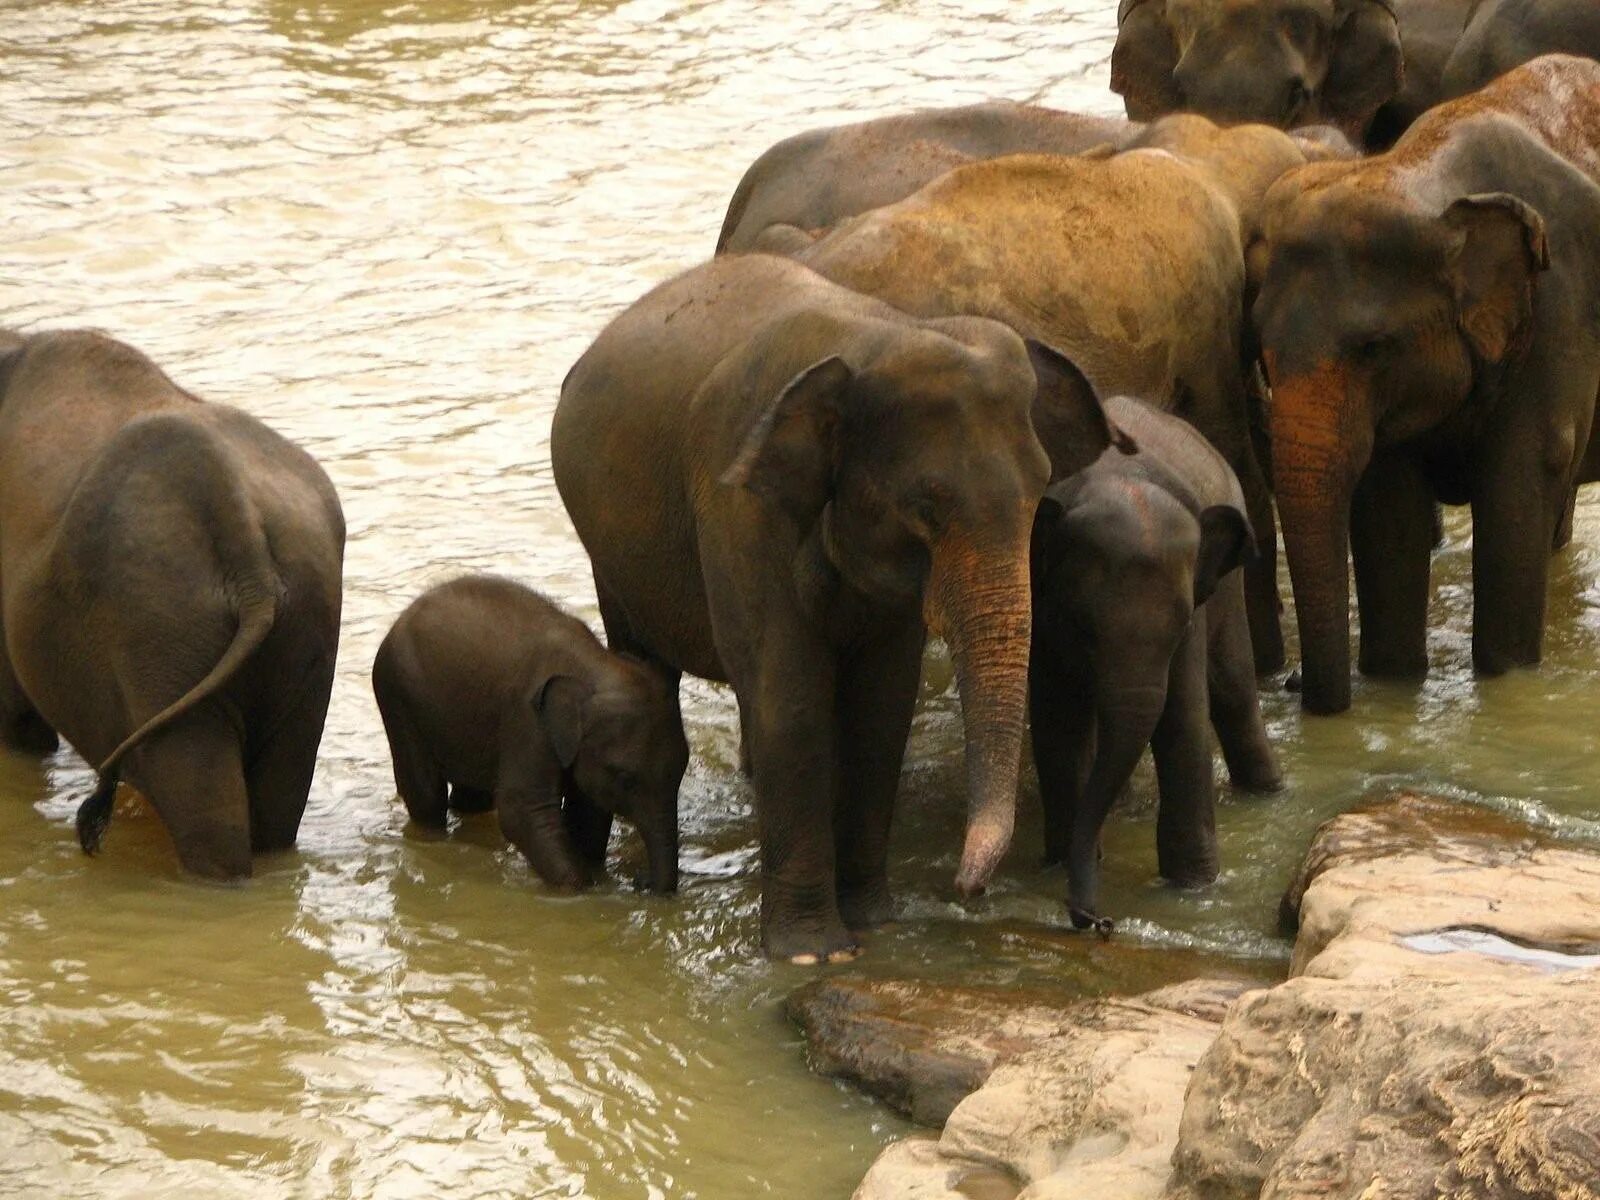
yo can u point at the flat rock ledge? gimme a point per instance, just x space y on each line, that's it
1439 1036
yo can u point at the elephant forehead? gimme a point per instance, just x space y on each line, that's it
1213 11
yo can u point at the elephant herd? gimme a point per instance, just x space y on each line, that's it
1038 384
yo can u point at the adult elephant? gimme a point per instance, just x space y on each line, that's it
816 179
1427 323
170 592
785 485
1130 264
1286 62
1502 34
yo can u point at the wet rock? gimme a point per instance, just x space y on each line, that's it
1442 830
1437 1039
923 1047
1439 1036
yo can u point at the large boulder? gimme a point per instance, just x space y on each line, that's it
1436 1039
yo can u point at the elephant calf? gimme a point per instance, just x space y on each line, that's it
1139 633
170 577
492 697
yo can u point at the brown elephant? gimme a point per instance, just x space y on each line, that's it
1131 264
170 574
786 485
1368 67
814 180
1427 322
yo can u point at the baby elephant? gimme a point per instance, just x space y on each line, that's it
1139 633
491 691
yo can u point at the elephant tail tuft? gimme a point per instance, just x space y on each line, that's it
94 814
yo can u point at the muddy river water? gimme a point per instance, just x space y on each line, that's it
388 229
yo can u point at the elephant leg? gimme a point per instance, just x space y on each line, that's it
1564 525
1263 605
471 800
789 699
877 692
1517 504
278 777
588 825
1062 730
21 726
1231 684
1186 822
419 777
1391 540
192 772
527 797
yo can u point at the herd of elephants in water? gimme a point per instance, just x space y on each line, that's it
1047 386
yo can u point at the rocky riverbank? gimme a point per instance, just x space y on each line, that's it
1435 1037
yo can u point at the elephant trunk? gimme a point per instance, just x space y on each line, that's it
1125 720
979 601
1320 444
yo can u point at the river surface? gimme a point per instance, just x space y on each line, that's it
388 229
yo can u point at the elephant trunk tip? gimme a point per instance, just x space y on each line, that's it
988 839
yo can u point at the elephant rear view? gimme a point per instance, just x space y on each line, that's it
784 484
170 573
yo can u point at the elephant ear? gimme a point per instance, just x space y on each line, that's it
1069 418
1499 247
1366 67
788 454
1143 59
562 704
1226 543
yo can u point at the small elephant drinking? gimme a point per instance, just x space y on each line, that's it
492 697
1140 635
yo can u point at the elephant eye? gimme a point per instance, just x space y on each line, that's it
928 504
1369 348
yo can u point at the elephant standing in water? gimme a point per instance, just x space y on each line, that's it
170 590
1368 67
492 697
1132 265
1139 640
816 179
1503 34
787 485
1427 320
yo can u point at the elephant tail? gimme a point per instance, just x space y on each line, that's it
234 526
256 617
736 208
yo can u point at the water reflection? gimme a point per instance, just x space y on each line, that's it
388 229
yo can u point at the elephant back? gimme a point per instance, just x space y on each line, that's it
1174 454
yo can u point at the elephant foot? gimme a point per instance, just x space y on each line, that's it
808 947
1260 780
866 907
1087 920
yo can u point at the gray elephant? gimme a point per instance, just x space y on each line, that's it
814 482
1131 264
1139 639
1286 62
170 579
1502 34
492 697
816 179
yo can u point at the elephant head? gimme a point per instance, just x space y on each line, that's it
1120 565
1375 319
908 451
621 738
1278 62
